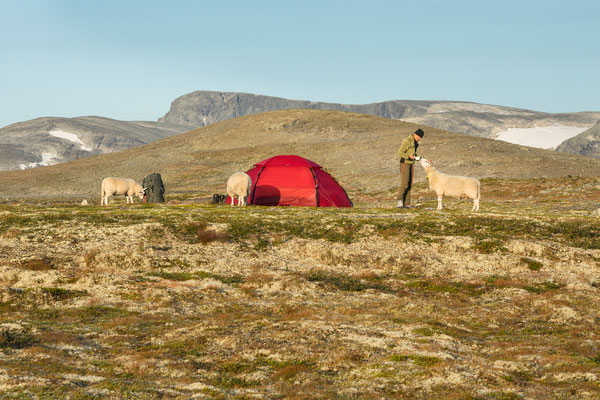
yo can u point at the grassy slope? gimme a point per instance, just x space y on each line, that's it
358 149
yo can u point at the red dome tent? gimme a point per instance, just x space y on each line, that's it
294 181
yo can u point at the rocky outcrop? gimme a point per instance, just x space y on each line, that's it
586 143
202 108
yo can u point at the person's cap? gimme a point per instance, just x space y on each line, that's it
419 132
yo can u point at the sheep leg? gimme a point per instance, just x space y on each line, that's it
475 205
232 200
439 207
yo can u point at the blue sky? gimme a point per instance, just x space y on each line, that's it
129 59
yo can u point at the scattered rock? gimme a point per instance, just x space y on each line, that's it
596 212
565 315
84 202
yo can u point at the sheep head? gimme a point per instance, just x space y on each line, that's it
426 163
142 193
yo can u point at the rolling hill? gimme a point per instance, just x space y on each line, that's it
358 149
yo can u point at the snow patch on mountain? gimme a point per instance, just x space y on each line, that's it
542 137
72 137
47 159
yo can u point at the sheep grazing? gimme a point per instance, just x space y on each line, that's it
452 185
238 186
120 186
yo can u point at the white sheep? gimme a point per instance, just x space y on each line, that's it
452 185
120 186
239 185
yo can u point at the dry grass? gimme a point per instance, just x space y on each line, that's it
199 232
38 264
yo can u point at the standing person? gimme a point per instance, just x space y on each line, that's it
408 155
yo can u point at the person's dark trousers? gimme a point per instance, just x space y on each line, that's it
406 178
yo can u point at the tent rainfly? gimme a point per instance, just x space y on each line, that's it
290 180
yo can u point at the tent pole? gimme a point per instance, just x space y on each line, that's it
316 186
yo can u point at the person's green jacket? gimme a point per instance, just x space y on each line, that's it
408 148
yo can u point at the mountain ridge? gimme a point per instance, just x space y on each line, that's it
201 108
31 143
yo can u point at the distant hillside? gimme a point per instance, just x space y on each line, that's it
358 149
202 108
48 141
586 143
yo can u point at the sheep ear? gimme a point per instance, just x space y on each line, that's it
144 189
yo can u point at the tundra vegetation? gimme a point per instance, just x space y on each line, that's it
190 300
